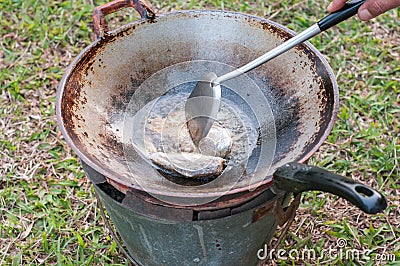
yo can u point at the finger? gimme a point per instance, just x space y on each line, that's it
335 5
373 8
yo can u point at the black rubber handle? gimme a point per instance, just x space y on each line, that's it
296 178
347 11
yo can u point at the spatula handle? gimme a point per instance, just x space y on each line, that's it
347 11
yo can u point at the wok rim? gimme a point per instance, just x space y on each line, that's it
110 174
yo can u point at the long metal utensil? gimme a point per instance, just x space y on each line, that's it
203 103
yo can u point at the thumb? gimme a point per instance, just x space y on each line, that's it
373 8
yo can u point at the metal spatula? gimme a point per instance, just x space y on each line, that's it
202 105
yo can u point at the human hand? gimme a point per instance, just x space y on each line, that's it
369 10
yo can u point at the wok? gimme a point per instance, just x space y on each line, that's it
293 100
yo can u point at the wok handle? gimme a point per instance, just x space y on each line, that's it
296 178
99 14
347 11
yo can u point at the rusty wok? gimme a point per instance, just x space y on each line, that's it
293 100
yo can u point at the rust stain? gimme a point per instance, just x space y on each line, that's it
283 213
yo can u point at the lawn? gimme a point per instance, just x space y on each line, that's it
48 212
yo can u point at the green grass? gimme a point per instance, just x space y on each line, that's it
48 213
